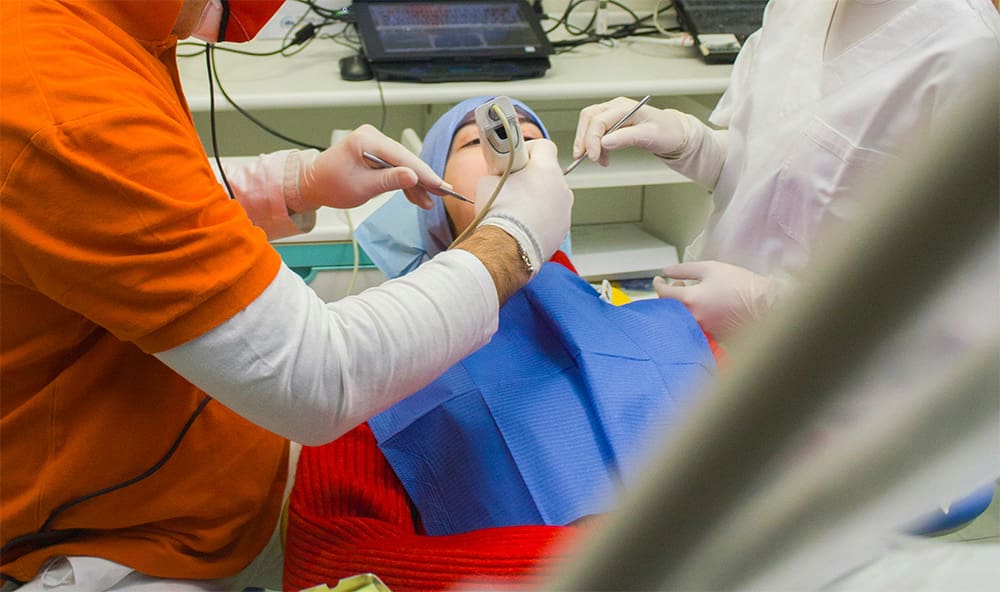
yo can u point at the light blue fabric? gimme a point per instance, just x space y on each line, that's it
550 419
399 236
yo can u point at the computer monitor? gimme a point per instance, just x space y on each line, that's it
450 30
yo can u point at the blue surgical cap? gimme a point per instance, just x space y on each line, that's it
399 236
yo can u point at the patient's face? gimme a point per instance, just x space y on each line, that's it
466 164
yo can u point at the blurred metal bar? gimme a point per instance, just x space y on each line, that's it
861 289
814 501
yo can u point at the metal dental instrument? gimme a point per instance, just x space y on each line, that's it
388 165
617 125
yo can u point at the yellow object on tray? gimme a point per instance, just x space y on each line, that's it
360 583
612 293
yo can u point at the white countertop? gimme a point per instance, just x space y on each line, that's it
312 79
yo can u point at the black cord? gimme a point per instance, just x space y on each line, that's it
300 38
46 535
145 474
294 38
224 22
214 74
345 14
585 35
201 49
209 61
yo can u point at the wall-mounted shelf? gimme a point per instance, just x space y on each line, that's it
627 168
619 251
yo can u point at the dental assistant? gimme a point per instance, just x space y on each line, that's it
157 356
825 95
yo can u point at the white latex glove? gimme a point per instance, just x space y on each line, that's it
266 187
341 177
724 298
682 140
534 204
660 131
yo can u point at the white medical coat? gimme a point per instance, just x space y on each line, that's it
806 133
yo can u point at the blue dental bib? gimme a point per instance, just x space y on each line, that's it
549 420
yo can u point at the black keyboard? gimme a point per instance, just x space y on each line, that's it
724 16
450 71
442 15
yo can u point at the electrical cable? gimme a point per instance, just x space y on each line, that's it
301 38
209 61
657 10
574 5
586 34
46 536
384 115
343 13
224 48
357 253
214 74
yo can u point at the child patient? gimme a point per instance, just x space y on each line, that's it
478 475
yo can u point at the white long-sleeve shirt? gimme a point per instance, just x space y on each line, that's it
311 371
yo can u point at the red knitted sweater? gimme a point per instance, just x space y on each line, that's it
349 514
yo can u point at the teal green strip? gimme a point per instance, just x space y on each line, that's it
308 259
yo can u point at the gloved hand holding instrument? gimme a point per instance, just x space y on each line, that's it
529 207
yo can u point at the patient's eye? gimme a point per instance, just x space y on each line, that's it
530 131
474 141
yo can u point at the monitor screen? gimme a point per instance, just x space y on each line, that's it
450 29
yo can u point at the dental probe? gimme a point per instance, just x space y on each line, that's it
444 190
617 125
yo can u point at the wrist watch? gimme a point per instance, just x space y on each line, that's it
524 257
